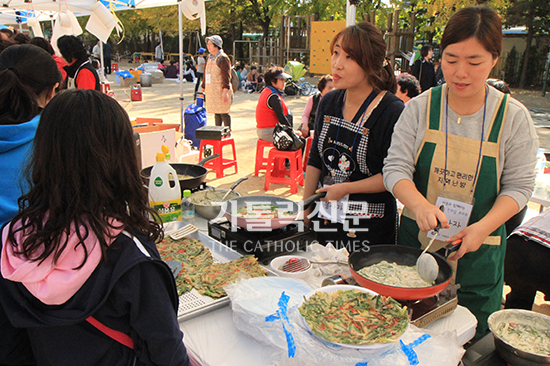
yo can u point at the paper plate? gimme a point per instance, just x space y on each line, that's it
335 288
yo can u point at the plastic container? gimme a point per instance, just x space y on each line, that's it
163 198
187 207
541 162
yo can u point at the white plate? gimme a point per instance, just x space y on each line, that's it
335 288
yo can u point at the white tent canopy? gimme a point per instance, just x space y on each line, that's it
104 23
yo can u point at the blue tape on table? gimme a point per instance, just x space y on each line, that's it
408 349
282 315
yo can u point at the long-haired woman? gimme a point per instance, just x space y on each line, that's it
470 148
353 131
82 281
29 77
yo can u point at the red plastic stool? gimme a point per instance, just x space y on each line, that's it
219 164
114 66
261 161
309 142
105 88
277 173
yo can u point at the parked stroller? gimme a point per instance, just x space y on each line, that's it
296 85
194 118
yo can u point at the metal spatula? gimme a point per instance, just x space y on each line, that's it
301 264
296 265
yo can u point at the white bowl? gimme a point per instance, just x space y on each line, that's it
278 262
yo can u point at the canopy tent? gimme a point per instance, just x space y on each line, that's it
103 23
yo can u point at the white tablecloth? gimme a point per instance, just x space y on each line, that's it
213 339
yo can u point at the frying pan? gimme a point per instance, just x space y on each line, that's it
230 207
196 172
401 255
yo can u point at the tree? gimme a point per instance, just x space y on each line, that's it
535 16
433 15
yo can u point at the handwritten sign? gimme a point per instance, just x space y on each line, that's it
458 213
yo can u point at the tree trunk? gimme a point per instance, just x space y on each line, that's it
265 27
527 46
526 58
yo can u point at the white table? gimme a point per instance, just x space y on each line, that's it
213 339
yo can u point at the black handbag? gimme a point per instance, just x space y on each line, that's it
284 138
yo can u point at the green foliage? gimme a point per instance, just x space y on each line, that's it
529 13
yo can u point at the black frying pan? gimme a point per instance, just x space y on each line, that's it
196 173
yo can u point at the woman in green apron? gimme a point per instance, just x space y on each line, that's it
471 149
353 129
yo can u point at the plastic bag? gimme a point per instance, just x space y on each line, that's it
256 299
267 310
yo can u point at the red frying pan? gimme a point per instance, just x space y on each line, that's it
401 255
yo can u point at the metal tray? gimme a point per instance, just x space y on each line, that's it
192 303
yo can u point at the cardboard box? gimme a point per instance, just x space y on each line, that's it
127 82
158 77
151 144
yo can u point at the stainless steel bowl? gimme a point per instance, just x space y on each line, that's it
511 354
212 211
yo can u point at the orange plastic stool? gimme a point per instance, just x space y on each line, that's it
277 173
309 142
219 164
261 161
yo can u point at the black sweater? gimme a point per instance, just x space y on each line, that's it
131 293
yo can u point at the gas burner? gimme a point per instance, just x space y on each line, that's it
423 312
265 245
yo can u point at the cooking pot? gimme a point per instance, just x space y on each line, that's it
512 354
196 173
292 208
208 202
405 256
212 210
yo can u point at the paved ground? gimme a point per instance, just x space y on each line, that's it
162 101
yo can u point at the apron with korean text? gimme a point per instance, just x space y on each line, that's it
213 88
480 274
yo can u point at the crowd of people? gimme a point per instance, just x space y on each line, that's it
78 259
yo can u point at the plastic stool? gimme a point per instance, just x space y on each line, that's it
105 88
219 164
261 161
277 173
309 142
114 66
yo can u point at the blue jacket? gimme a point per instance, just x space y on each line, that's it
15 148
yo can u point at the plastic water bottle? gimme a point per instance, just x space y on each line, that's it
541 162
187 207
165 200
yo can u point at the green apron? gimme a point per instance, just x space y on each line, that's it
481 273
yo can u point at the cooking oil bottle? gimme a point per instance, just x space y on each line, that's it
165 200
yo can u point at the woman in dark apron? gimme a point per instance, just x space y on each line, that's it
353 131
471 149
